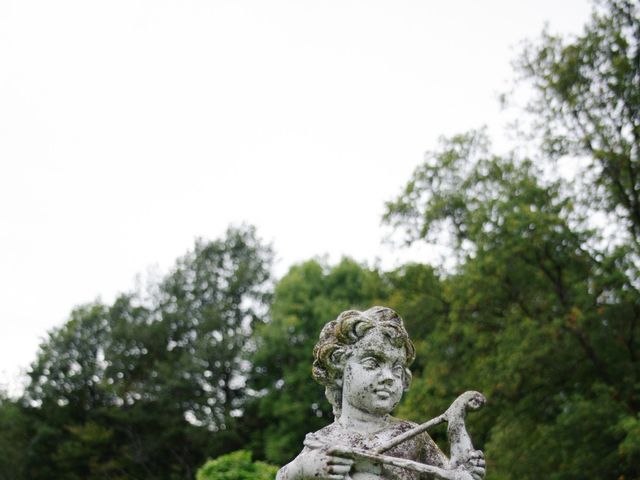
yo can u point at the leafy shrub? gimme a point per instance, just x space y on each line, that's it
236 466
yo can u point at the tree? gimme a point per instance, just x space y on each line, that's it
64 397
417 293
136 389
538 319
587 103
14 439
70 363
207 308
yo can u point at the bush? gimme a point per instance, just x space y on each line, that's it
236 466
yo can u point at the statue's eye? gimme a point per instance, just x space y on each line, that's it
370 363
398 370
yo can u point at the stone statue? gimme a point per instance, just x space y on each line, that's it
362 359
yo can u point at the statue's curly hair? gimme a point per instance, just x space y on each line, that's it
339 335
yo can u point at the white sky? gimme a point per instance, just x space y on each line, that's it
128 128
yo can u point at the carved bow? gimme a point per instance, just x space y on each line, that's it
459 441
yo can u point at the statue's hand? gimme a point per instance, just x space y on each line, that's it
475 464
322 464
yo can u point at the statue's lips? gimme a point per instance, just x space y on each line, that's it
382 393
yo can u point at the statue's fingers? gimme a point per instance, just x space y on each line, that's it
476 454
334 460
475 461
338 452
340 469
335 472
478 472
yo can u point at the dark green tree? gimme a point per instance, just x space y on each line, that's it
64 397
14 438
417 293
151 385
207 308
537 318
70 363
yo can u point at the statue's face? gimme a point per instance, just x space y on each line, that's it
373 374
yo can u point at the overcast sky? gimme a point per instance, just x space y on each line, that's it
129 128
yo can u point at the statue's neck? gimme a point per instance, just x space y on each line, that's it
353 419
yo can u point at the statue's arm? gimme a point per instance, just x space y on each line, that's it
289 472
316 464
464 457
294 470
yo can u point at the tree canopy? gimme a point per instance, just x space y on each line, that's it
151 385
587 103
538 308
537 319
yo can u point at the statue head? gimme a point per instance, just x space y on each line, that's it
339 340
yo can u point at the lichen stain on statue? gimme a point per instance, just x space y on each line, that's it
362 359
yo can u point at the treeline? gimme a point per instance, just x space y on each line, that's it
540 310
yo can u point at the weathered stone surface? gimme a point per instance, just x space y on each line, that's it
362 359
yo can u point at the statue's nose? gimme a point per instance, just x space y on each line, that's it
386 375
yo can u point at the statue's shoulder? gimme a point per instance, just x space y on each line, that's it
335 430
330 429
326 435
398 426
400 423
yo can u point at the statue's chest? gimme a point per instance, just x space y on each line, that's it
367 470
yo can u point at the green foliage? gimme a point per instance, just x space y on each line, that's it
418 293
137 389
588 103
68 369
13 439
539 312
236 466
537 318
